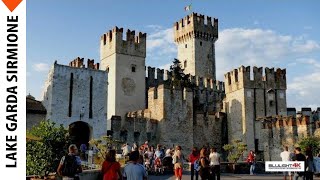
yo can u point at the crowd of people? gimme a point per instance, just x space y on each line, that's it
205 163
311 165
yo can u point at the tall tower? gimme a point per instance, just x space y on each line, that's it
249 99
195 36
124 60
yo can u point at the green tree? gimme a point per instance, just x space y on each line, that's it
235 150
103 144
43 155
310 142
179 78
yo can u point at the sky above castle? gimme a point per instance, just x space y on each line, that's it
268 33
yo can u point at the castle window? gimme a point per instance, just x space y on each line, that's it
107 69
70 95
186 46
185 63
200 43
133 68
90 99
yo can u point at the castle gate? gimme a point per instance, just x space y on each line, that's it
80 133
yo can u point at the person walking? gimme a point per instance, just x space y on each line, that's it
70 164
251 159
133 170
214 158
178 163
286 156
299 157
310 165
194 156
204 171
110 167
83 149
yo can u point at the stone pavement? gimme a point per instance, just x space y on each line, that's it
225 176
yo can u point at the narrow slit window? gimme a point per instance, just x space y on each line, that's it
90 101
70 95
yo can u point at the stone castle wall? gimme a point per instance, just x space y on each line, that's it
195 36
248 99
171 120
278 132
124 60
59 91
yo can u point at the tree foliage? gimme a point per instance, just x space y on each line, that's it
235 150
43 155
179 78
310 142
103 144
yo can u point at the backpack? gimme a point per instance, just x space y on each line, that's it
197 165
70 166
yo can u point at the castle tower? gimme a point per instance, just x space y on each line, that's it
124 60
246 100
195 36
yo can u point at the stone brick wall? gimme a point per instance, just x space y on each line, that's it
247 99
280 131
57 95
195 38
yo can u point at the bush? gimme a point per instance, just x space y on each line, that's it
235 150
310 142
43 155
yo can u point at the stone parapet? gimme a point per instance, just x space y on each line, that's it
196 25
113 42
240 78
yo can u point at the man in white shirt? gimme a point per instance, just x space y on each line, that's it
286 156
214 158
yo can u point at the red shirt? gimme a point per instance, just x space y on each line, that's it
110 170
193 158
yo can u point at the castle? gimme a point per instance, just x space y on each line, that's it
115 97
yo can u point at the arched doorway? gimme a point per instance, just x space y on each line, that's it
80 133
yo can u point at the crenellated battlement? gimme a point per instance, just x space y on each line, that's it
156 76
196 25
113 42
78 63
207 83
284 121
240 78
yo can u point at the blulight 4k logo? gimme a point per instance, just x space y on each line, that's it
280 166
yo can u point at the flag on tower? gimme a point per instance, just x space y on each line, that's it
187 8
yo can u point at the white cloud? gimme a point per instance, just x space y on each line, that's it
309 61
307 27
304 90
160 47
41 67
166 66
238 46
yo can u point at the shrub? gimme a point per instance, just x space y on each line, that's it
43 155
310 142
235 150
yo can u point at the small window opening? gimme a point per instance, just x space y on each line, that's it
185 63
133 69
200 43
186 46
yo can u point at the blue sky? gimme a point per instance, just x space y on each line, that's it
273 33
